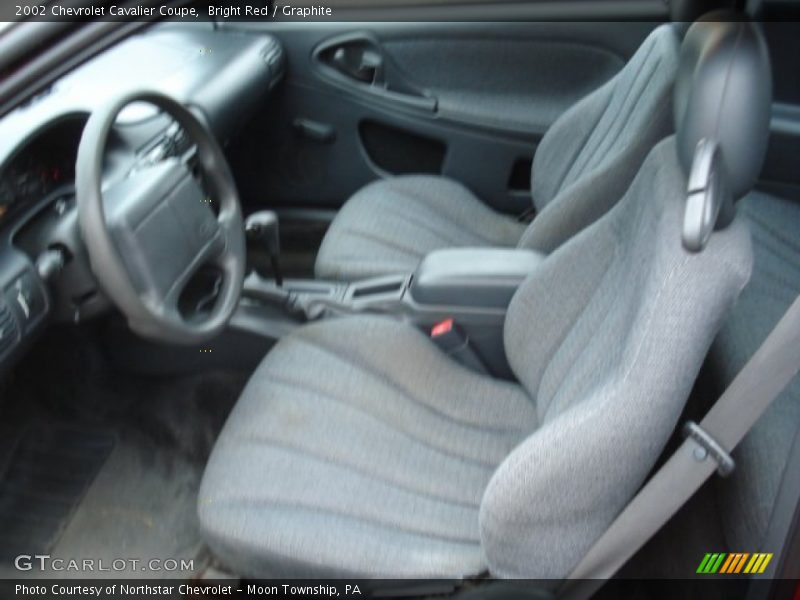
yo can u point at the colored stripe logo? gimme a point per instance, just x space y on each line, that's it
734 563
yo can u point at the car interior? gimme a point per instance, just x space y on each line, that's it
399 300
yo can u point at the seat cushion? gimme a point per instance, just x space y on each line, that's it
389 225
290 486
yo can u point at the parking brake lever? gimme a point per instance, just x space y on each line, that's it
262 228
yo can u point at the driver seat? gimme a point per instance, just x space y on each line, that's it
358 448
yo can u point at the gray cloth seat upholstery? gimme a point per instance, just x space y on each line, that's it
359 449
583 165
432 448
748 495
389 225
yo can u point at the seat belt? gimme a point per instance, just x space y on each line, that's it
705 450
781 526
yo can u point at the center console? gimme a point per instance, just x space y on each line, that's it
469 288
472 277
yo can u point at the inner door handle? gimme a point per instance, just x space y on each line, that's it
359 63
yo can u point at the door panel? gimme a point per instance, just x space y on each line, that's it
284 167
505 84
466 100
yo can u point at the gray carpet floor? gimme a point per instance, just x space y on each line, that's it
141 501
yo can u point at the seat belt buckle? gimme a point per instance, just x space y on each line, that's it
708 446
442 328
450 338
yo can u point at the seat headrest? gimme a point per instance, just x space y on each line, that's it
723 95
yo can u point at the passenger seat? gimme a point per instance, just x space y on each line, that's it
583 165
748 496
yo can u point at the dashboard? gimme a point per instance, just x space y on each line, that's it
44 164
224 76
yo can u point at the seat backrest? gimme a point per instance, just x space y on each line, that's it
590 155
609 334
747 497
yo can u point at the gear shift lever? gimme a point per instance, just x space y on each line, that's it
262 228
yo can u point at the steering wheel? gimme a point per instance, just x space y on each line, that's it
149 234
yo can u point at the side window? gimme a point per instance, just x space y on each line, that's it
782 30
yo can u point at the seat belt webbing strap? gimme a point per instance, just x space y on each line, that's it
762 379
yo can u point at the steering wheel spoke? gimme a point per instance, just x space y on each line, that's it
169 297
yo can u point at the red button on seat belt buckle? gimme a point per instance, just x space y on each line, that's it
441 328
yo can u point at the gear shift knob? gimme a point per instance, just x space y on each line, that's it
262 228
